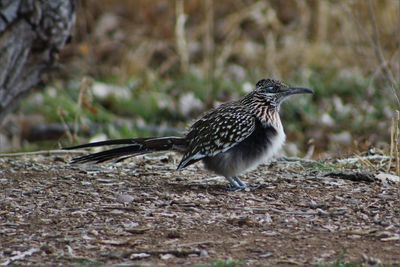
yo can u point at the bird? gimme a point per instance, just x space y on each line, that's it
230 140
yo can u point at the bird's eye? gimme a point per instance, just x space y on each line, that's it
271 89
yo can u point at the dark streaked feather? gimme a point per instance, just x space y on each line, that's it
217 132
111 154
108 143
135 147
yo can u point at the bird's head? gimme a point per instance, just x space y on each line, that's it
274 91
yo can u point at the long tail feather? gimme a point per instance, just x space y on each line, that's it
109 154
135 147
108 143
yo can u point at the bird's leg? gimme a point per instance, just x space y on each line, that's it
236 184
239 182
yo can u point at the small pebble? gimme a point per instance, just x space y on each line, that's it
135 256
125 199
203 253
166 256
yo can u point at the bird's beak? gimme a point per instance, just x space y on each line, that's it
296 90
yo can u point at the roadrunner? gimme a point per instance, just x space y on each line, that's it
230 140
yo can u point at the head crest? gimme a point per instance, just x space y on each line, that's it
265 83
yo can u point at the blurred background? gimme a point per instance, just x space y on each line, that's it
139 68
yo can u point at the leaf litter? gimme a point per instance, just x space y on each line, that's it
143 212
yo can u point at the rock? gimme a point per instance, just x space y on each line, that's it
138 256
343 138
203 253
103 91
247 87
387 177
107 23
125 198
326 120
166 256
189 103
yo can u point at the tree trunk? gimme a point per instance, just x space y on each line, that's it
32 32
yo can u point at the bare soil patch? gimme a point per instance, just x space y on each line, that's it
143 212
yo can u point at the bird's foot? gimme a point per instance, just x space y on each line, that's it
235 184
236 188
246 188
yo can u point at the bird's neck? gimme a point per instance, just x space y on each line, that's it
267 114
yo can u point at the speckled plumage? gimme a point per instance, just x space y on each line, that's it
217 132
230 140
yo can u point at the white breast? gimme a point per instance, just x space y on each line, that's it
277 144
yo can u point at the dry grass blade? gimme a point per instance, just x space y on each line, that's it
378 47
62 114
181 42
208 38
83 100
394 143
392 132
366 162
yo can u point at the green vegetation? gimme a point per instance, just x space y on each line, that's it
340 263
343 263
320 166
223 263
83 262
159 102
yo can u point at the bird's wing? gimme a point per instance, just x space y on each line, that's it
217 132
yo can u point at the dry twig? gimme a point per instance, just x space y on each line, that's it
42 152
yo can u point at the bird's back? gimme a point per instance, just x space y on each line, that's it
218 131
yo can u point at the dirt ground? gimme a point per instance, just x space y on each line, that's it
144 213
